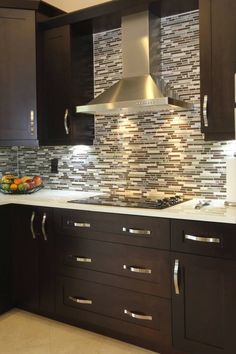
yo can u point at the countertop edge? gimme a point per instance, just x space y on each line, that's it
216 212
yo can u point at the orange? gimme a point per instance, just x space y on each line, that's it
13 187
17 181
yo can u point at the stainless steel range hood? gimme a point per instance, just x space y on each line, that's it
140 89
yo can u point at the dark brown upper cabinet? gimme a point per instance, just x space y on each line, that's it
18 72
66 81
18 107
218 68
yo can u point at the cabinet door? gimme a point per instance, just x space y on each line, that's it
67 71
5 256
17 77
56 86
218 67
204 293
33 259
25 259
46 261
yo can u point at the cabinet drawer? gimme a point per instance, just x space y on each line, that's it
127 229
147 265
204 238
142 310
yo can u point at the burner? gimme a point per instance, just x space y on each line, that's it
130 202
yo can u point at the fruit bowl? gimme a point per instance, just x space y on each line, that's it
29 191
10 184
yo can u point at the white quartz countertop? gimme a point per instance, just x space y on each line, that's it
215 212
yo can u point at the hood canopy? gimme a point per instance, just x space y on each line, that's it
140 89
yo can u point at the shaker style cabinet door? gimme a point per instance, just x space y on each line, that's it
33 260
203 304
5 259
56 85
67 80
17 77
218 68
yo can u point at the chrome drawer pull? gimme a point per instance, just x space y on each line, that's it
202 239
80 300
66 115
136 231
205 116
43 227
137 270
176 275
80 259
32 225
137 315
82 224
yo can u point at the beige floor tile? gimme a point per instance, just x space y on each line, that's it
24 333
22 330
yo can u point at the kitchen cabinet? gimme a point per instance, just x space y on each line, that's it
33 259
218 68
203 287
67 79
18 109
113 275
18 70
5 264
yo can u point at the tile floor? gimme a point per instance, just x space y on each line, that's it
24 333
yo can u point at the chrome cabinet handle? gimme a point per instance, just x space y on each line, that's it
235 121
137 231
80 300
235 88
205 107
138 316
176 275
82 224
66 115
43 227
202 239
32 122
137 270
32 225
80 259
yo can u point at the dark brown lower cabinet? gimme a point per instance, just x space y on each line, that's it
33 259
5 251
137 318
203 302
113 276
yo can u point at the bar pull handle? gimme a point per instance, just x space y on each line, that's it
82 224
79 300
138 232
32 225
32 122
137 269
43 227
176 277
235 88
137 315
80 259
66 116
205 110
202 239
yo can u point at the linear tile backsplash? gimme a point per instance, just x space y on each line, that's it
163 152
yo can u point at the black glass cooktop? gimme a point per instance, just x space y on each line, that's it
130 202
